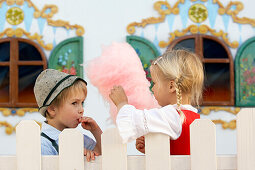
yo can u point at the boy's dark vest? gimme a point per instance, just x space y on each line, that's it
181 146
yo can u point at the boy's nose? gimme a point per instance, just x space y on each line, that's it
81 110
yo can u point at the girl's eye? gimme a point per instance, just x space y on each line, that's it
74 103
82 103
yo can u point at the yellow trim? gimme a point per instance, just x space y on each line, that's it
226 125
207 110
37 13
9 129
19 32
153 20
175 10
194 29
19 112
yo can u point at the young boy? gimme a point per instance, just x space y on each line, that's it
60 98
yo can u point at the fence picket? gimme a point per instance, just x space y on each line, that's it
203 145
28 145
71 150
246 139
157 152
114 153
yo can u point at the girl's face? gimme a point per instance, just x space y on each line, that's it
163 89
67 115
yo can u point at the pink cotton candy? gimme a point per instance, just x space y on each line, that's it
120 65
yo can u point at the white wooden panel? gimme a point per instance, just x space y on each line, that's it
157 151
8 163
94 164
71 150
246 139
203 145
28 145
114 152
178 162
50 162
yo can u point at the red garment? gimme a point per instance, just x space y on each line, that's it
181 146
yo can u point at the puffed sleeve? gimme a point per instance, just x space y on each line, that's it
133 123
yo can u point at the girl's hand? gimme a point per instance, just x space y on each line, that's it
90 155
118 96
140 144
89 124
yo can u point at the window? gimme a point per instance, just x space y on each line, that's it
218 65
21 61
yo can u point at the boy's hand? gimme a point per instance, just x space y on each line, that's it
90 155
89 124
118 96
140 144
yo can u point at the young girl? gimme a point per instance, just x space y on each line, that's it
178 79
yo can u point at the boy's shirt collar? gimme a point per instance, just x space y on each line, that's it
50 131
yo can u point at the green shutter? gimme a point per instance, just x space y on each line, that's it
146 51
245 74
67 56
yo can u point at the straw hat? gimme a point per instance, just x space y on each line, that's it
49 84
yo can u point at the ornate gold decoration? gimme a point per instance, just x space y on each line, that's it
207 110
14 16
48 16
226 125
9 129
19 112
194 29
198 13
233 13
19 32
175 10
153 20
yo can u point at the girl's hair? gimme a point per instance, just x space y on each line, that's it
186 69
78 87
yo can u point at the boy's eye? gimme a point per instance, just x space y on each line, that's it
74 103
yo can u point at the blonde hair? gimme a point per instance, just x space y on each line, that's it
186 69
77 87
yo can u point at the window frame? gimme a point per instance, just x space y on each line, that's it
14 64
199 51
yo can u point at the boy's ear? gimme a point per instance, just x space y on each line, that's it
171 86
51 110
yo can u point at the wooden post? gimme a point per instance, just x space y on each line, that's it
203 145
157 151
246 139
114 152
28 145
71 150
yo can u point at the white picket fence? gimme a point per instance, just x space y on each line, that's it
114 153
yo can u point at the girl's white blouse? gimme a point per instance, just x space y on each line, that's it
133 123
